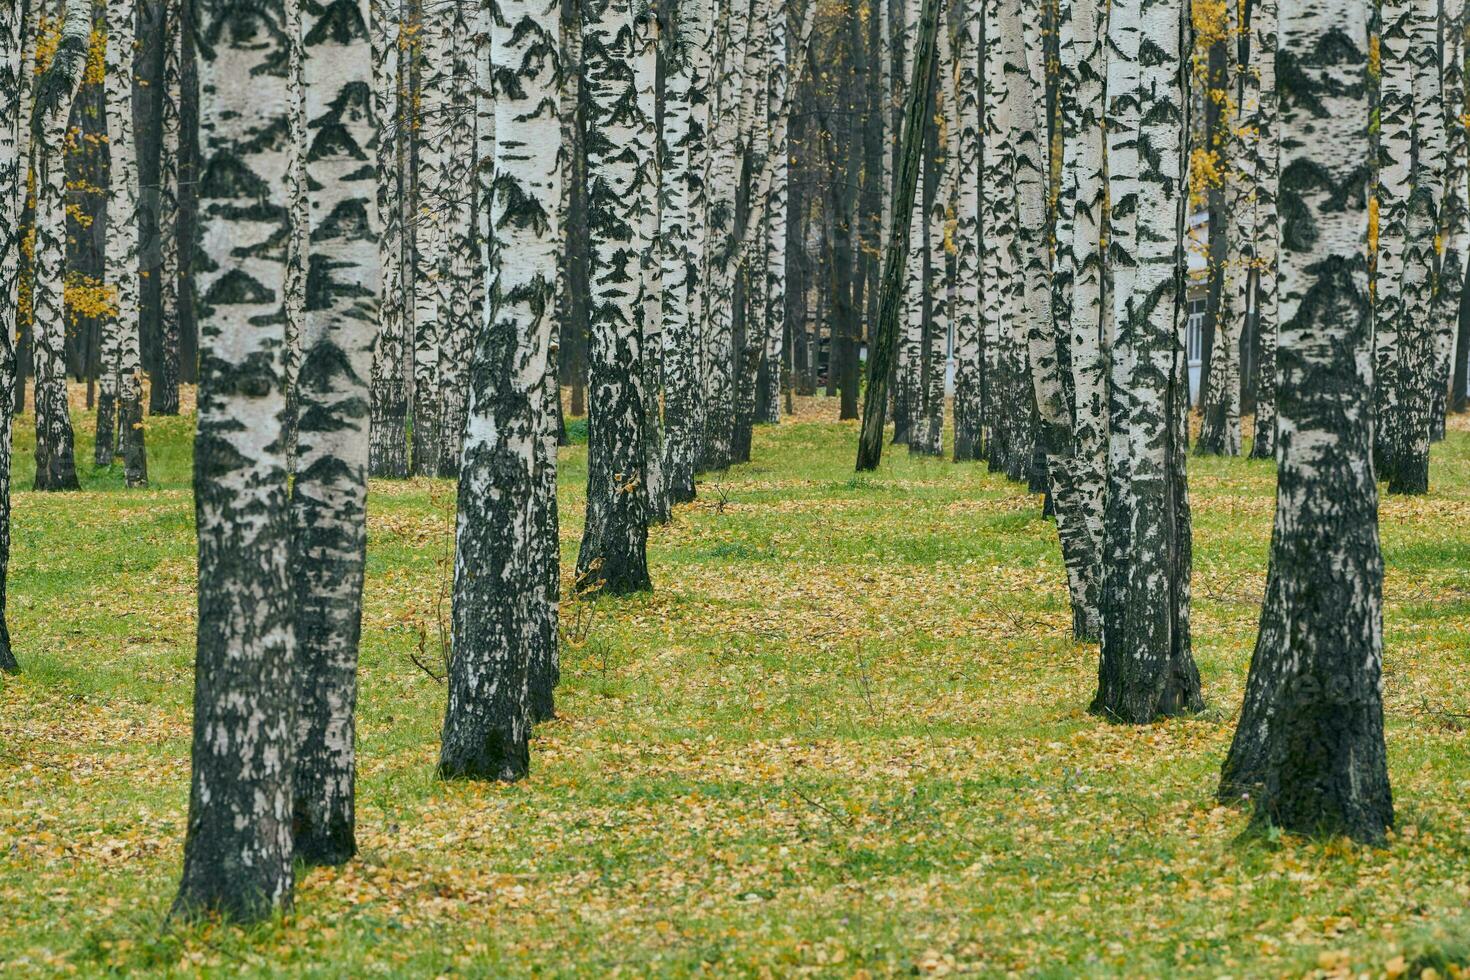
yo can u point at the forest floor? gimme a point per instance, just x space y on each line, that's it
846 735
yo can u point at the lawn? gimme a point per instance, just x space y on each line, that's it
846 735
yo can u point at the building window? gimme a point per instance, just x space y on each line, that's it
1194 336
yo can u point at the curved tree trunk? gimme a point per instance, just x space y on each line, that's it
1309 746
54 92
238 848
500 599
895 258
329 493
1146 669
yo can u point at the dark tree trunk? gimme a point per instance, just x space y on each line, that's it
1460 393
881 353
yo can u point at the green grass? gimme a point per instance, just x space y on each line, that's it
846 733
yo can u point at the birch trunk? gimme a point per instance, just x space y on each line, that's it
968 418
1309 746
649 190
998 308
1220 418
1146 669
500 596
461 248
774 312
1078 480
1395 105
297 240
686 122
389 386
885 341
615 539
1454 216
721 181
1406 427
1266 163
122 241
53 94
238 848
431 236
909 358
163 394
12 198
329 493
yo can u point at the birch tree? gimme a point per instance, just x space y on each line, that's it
1454 215
968 418
649 203
1309 746
1146 668
686 116
1404 425
430 233
122 251
163 394
885 338
500 602
1220 418
719 295
52 97
1078 479
615 537
1265 164
389 387
329 493
12 192
238 846
774 313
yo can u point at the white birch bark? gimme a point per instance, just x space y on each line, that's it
122 239
968 374
329 493
615 538
1266 163
53 94
389 386
1146 669
12 192
1454 214
238 847
501 602
1309 747
431 234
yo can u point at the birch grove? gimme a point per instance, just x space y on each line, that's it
560 272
